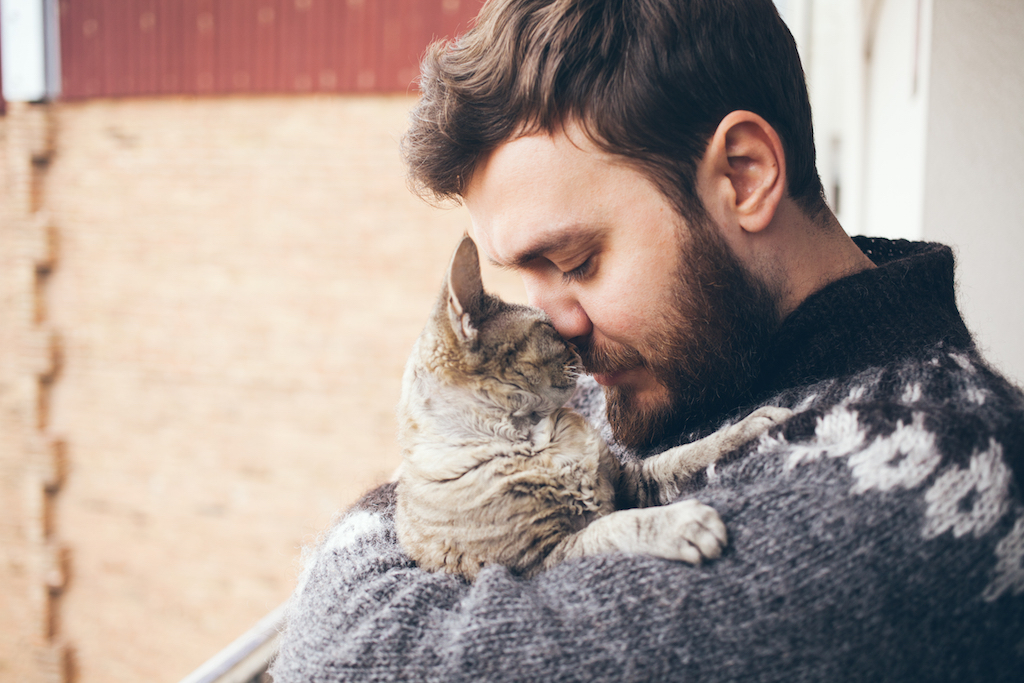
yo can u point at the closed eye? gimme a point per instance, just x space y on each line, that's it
580 272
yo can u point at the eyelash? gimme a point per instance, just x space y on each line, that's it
578 273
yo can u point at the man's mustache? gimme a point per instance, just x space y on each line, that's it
601 360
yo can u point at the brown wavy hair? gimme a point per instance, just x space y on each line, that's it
649 80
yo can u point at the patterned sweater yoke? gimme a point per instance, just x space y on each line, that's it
877 535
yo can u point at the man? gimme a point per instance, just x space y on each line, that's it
648 167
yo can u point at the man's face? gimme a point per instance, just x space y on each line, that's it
662 314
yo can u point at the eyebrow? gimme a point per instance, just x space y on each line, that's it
551 242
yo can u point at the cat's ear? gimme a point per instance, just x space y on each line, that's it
465 289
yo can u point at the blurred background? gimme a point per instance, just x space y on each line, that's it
211 272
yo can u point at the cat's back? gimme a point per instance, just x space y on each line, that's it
494 470
506 503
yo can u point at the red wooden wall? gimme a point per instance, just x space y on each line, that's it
113 48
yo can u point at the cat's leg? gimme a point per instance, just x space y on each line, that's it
688 531
659 480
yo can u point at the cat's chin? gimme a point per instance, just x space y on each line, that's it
559 396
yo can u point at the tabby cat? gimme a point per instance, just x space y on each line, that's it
495 470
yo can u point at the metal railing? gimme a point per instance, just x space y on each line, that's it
246 659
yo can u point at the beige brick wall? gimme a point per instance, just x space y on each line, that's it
32 577
236 286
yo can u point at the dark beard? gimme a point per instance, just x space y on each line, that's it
706 351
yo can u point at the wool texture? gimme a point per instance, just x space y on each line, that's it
877 535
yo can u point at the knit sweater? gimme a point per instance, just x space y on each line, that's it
877 535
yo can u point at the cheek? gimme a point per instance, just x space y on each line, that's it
640 290
626 309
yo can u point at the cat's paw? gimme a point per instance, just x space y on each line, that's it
673 469
689 531
751 427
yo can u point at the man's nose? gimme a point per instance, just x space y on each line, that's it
565 311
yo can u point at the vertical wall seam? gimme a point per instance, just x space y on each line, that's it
42 352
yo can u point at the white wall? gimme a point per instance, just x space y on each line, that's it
973 175
917 112
896 40
829 35
31 49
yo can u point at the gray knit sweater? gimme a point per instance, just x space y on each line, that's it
878 535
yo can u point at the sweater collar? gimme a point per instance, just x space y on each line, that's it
898 310
868 319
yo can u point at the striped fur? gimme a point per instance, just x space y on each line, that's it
495 470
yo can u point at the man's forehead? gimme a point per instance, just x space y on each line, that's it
546 194
525 246
528 197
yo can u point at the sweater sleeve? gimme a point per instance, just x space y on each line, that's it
836 570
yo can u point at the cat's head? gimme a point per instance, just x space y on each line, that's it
509 354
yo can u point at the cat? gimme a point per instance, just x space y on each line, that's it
496 470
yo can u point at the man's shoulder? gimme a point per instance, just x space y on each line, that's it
946 401
920 455
901 423
890 487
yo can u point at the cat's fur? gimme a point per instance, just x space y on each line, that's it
495 470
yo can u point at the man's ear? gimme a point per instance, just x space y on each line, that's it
743 172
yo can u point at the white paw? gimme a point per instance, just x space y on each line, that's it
688 530
753 426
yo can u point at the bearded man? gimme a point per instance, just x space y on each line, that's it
647 166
